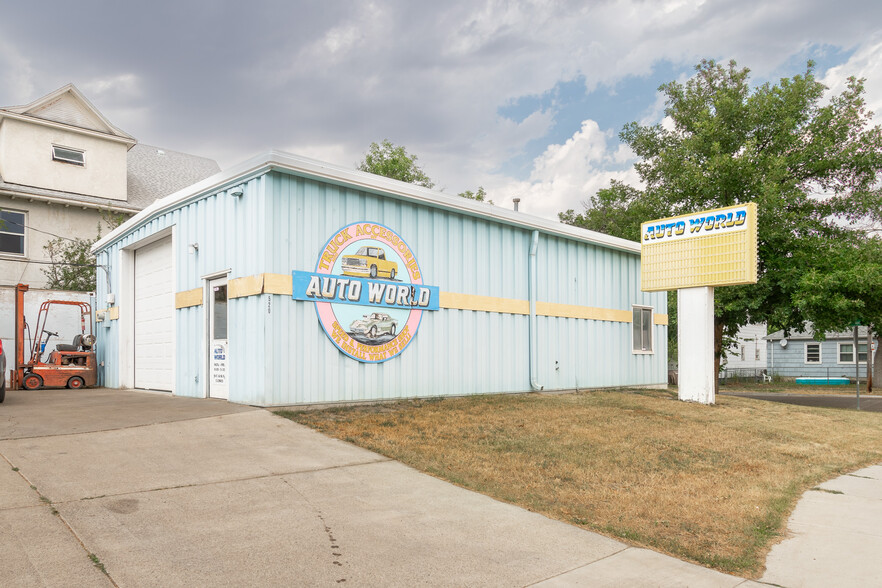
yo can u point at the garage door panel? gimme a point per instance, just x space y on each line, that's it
154 316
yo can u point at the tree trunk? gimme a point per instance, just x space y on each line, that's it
718 352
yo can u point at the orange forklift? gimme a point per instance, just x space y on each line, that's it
71 365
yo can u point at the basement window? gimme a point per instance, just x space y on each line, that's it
68 155
641 330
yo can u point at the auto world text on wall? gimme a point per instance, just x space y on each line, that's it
368 292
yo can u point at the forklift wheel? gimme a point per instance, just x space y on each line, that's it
33 382
75 383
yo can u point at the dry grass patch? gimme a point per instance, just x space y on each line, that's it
711 484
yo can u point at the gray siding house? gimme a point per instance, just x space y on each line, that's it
799 355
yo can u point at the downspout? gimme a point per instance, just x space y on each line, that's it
534 344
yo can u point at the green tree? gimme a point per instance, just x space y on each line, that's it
393 161
480 195
72 265
812 166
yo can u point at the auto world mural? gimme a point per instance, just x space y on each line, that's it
368 292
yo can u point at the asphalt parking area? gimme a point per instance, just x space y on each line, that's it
871 403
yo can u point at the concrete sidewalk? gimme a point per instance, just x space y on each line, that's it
165 491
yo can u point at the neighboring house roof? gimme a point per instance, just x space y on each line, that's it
810 334
67 105
154 172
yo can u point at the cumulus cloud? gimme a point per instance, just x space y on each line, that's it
565 176
229 79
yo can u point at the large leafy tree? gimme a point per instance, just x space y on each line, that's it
393 161
812 165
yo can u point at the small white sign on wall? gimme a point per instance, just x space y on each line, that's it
219 363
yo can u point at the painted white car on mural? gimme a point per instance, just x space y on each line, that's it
374 325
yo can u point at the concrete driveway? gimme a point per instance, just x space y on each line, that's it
163 491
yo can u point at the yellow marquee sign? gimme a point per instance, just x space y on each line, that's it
710 248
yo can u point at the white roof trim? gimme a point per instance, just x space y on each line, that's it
277 160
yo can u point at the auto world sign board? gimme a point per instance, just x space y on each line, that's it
368 292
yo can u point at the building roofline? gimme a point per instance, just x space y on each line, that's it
20 192
311 168
23 111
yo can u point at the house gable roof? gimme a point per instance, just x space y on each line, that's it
68 106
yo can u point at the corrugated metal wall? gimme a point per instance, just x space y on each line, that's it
279 353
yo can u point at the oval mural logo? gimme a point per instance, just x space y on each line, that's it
368 292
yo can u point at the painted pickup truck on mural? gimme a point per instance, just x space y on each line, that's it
369 261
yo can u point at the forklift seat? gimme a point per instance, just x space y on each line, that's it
77 343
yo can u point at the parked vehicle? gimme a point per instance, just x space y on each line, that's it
2 372
370 262
374 325
73 365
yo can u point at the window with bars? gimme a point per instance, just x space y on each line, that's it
813 353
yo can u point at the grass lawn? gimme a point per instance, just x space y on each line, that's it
710 484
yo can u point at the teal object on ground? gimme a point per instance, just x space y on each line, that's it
823 381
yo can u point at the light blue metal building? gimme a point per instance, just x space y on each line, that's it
288 281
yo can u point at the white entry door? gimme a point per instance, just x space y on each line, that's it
218 343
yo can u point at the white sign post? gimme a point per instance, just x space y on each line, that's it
695 345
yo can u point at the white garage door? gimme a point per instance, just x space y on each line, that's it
154 316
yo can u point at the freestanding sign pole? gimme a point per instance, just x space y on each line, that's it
693 253
695 344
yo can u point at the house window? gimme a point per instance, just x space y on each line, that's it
813 353
846 352
641 330
12 232
68 155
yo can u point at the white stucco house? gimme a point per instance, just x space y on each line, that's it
62 166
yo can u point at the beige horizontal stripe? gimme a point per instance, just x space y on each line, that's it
583 312
188 298
483 303
278 284
282 284
247 286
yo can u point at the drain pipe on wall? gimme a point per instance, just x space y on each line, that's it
534 344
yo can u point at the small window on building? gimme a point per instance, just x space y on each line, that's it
846 352
813 353
67 155
641 330
12 232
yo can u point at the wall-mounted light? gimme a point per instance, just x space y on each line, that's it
193 248
237 191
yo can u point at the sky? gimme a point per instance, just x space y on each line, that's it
523 98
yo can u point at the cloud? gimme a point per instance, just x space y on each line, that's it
866 63
567 175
